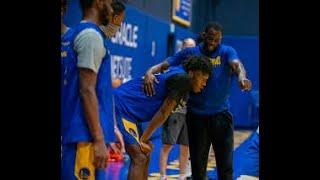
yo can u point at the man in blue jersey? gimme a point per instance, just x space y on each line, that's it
64 28
66 33
133 107
86 101
110 31
209 120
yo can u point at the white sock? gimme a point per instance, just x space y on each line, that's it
182 176
163 177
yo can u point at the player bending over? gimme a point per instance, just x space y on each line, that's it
133 107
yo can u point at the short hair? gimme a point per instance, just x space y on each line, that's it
118 7
216 26
198 63
86 4
185 41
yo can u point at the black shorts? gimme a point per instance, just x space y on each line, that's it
175 130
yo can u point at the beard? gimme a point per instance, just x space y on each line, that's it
210 48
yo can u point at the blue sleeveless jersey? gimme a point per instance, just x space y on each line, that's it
74 127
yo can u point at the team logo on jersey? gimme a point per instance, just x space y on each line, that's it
65 43
84 173
182 104
216 61
133 132
64 54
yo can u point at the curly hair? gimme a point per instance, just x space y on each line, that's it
201 63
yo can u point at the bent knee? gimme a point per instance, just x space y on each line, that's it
140 159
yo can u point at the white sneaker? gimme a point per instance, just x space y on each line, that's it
188 171
183 176
245 177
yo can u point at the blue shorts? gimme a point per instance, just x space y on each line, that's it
77 162
130 129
